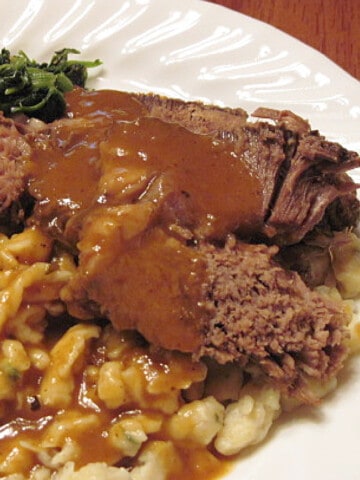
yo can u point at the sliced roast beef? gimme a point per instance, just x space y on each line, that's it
301 173
265 315
14 151
303 176
226 123
263 146
314 179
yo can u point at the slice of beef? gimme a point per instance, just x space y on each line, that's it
309 158
302 174
266 316
224 122
14 151
264 147
261 145
14 154
314 179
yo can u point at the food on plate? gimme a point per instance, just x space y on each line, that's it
176 233
159 307
37 89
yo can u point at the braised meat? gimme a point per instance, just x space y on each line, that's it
15 152
265 315
301 173
176 212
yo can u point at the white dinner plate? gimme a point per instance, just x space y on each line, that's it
196 50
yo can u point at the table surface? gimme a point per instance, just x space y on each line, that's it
330 26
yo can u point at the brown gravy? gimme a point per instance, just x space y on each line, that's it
114 138
131 191
30 422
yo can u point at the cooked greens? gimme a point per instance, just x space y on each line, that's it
37 89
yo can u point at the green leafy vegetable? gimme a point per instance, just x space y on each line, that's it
37 89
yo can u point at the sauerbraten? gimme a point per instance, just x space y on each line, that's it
167 281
